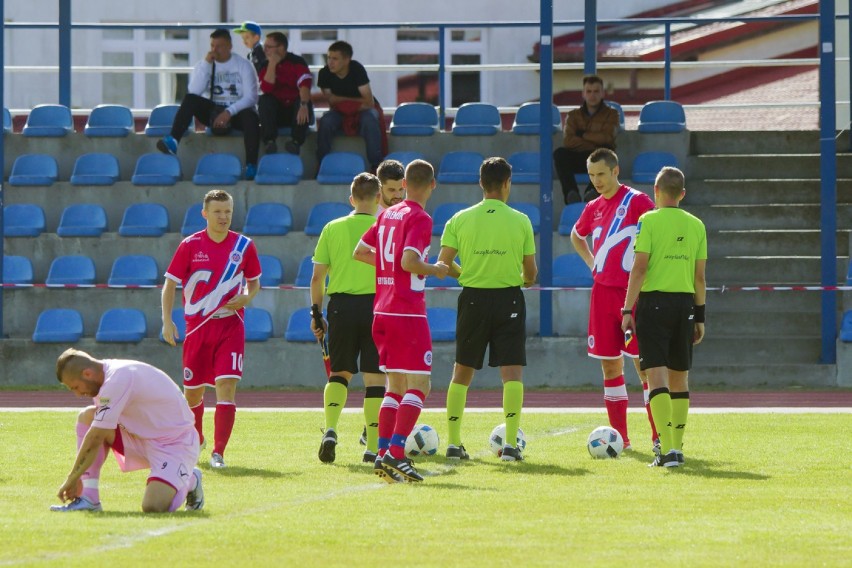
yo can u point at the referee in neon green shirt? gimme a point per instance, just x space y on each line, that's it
667 284
351 290
496 248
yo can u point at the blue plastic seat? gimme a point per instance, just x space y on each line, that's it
662 116
271 271
414 119
321 213
477 119
647 165
526 119
405 158
160 121
531 211
82 220
192 220
156 169
34 169
258 324
144 220
305 272
442 323
109 121
620 111
442 214
58 325
23 220
299 327
71 270
50 121
134 270
95 169
17 270
570 271
435 282
846 327
460 167
7 120
526 167
180 325
569 217
279 169
265 219
849 274
217 169
340 167
122 325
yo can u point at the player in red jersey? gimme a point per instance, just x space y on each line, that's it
398 246
211 265
611 219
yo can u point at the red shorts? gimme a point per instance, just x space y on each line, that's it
606 340
404 344
214 351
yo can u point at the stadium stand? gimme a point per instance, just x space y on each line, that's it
122 325
193 221
526 167
531 211
299 327
180 325
306 270
58 325
661 116
569 270
265 219
71 270
95 169
271 271
82 220
321 213
476 119
442 323
647 165
405 157
526 119
340 167
460 167
258 324
49 121
134 270
442 214
34 169
414 119
160 121
17 270
217 169
569 217
144 220
109 121
279 169
23 220
156 169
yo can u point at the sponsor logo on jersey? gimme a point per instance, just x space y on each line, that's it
236 257
621 212
200 256
187 374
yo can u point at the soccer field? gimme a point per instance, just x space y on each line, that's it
756 489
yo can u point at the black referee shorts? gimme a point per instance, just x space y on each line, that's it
494 318
664 330
350 324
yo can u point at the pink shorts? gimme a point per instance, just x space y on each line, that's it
170 461
606 340
214 351
404 344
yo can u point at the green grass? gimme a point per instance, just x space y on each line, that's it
757 489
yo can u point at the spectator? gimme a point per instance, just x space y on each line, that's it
285 82
354 110
232 86
251 34
591 126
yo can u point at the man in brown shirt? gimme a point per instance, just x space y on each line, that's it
587 128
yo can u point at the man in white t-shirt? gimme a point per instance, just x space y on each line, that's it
142 416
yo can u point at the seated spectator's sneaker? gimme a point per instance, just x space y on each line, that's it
251 171
572 197
457 453
271 147
195 498
78 504
404 468
327 445
511 454
385 475
217 461
369 457
292 147
167 145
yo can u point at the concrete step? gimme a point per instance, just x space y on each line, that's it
766 217
752 303
737 349
764 142
779 270
762 166
761 375
747 326
754 191
772 242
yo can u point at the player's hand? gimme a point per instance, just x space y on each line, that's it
441 269
302 116
273 58
318 333
628 323
238 302
70 490
170 333
222 119
698 333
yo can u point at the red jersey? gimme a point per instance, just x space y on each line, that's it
291 74
404 226
211 273
612 223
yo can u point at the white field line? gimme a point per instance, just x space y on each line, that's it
534 410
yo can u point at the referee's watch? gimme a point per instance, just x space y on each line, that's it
626 312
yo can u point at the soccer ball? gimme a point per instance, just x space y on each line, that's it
498 435
423 441
605 442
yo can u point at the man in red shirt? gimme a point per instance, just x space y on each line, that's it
285 84
398 246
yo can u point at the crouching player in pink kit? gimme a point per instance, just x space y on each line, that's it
398 246
140 414
211 265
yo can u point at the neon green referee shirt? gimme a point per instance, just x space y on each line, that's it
492 240
674 240
334 248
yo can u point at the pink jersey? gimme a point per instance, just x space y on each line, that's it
404 226
211 273
612 224
142 399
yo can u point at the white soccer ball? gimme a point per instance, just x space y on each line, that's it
497 437
423 441
605 442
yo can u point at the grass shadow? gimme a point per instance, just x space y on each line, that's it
239 471
180 514
534 468
716 470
